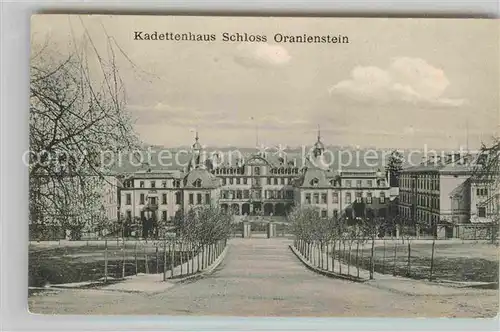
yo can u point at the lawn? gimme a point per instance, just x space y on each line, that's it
452 261
86 263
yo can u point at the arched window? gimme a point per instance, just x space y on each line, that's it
197 183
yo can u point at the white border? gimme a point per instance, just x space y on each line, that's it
15 34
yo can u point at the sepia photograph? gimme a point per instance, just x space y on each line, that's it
264 166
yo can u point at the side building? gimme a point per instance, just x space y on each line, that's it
443 193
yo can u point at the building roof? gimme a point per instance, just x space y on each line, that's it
208 180
451 163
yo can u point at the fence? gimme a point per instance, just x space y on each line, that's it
417 259
79 261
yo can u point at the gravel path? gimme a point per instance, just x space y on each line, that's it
262 277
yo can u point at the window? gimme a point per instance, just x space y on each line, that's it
246 194
482 192
314 182
348 183
223 181
207 198
129 215
279 194
198 199
358 183
348 198
245 180
275 180
178 197
141 184
177 183
164 199
369 183
335 213
332 183
231 181
382 198
164 215
382 183
323 198
164 184
256 170
481 212
359 197
153 184
225 194
308 198
141 199
369 198
323 213
239 194
238 180
282 180
335 198
191 199
316 198
128 199
197 183
152 200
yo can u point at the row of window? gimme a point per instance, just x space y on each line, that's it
256 170
268 194
322 198
257 181
128 215
152 200
151 184
422 200
199 199
482 192
424 182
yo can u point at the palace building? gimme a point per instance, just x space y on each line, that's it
261 184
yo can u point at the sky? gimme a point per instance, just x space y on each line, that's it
400 83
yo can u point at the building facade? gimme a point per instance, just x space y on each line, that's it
257 185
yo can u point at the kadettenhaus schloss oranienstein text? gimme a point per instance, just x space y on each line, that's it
240 37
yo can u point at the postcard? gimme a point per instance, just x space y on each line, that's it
263 166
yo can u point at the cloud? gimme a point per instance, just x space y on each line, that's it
261 54
407 80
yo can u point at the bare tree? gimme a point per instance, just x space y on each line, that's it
76 113
486 173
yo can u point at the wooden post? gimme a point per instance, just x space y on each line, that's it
146 263
180 256
198 259
156 257
357 257
395 257
327 260
203 257
192 256
432 259
164 259
372 257
172 256
135 257
383 260
106 260
124 259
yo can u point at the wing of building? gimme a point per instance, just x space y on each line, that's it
260 184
